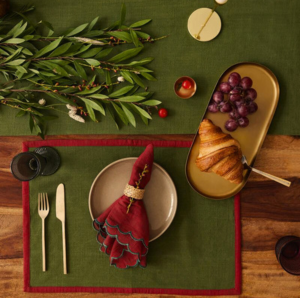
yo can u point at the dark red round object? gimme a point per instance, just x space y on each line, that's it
163 113
187 84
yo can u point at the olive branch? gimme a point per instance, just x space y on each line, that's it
79 68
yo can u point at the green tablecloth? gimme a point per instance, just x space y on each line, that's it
263 31
196 252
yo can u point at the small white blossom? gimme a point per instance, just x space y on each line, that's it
121 79
136 72
71 107
42 102
76 117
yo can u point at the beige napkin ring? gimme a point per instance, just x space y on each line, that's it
132 192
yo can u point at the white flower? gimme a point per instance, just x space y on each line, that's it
136 72
121 79
76 117
71 107
42 102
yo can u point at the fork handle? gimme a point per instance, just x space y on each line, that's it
272 177
43 245
64 247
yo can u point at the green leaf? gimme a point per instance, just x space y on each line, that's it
142 112
83 49
77 29
80 70
137 80
92 62
26 51
94 104
135 39
138 62
56 68
121 91
91 91
93 33
152 102
3 52
91 112
131 99
92 24
126 76
15 54
143 34
98 96
16 62
70 70
90 53
20 30
61 98
145 120
126 55
141 69
48 48
49 26
129 115
103 53
108 81
140 23
34 71
21 69
148 76
14 29
120 113
123 14
21 113
60 50
15 41
92 81
121 35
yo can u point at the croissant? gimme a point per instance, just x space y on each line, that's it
219 153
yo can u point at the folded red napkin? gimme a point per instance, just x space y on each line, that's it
123 229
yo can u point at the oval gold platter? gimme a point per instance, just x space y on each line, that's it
250 138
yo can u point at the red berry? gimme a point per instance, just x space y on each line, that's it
163 113
187 84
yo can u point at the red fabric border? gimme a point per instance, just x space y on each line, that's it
26 229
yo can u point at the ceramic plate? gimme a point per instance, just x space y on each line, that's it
250 138
160 197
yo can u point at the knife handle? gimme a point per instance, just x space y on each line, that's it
64 247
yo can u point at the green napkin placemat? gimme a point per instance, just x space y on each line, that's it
261 31
198 255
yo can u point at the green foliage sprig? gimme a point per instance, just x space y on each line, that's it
78 68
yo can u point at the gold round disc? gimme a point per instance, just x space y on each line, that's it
198 18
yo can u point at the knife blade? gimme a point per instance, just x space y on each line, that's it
61 215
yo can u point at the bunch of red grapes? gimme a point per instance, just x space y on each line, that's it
235 97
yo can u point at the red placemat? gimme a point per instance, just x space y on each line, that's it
135 143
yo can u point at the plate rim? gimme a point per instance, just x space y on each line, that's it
159 167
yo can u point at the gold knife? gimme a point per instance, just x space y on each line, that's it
61 215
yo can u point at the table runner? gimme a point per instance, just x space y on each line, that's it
261 31
198 255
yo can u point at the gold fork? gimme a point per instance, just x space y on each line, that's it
43 208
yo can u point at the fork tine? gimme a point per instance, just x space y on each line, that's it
39 201
44 202
47 201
